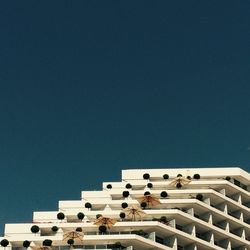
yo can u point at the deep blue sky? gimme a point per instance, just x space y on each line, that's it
88 88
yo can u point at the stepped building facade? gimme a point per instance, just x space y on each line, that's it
160 209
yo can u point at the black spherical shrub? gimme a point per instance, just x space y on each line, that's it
88 205
178 185
118 245
35 229
196 176
78 229
144 204
54 228
139 232
125 194
128 186
98 216
124 205
189 177
70 241
228 178
26 243
109 186
199 197
60 216
163 219
146 176
4 243
47 243
179 175
103 229
165 176
146 193
80 216
149 185
164 194
122 215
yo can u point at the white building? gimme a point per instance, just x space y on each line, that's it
205 208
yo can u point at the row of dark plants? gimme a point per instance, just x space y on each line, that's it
35 229
150 185
146 176
163 194
162 219
26 243
48 243
140 233
116 245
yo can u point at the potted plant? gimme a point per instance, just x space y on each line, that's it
102 229
47 243
165 176
80 216
199 197
71 242
88 205
54 229
122 215
146 176
144 205
124 205
60 216
4 243
125 194
128 186
26 243
35 229
149 185
164 194
196 176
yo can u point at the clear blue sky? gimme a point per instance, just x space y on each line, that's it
88 88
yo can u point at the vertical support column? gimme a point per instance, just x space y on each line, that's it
191 247
241 232
223 191
172 223
151 236
239 215
226 244
222 207
107 207
60 232
171 242
243 248
190 211
238 198
207 217
224 224
129 248
229 247
209 237
207 201
227 227
190 229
